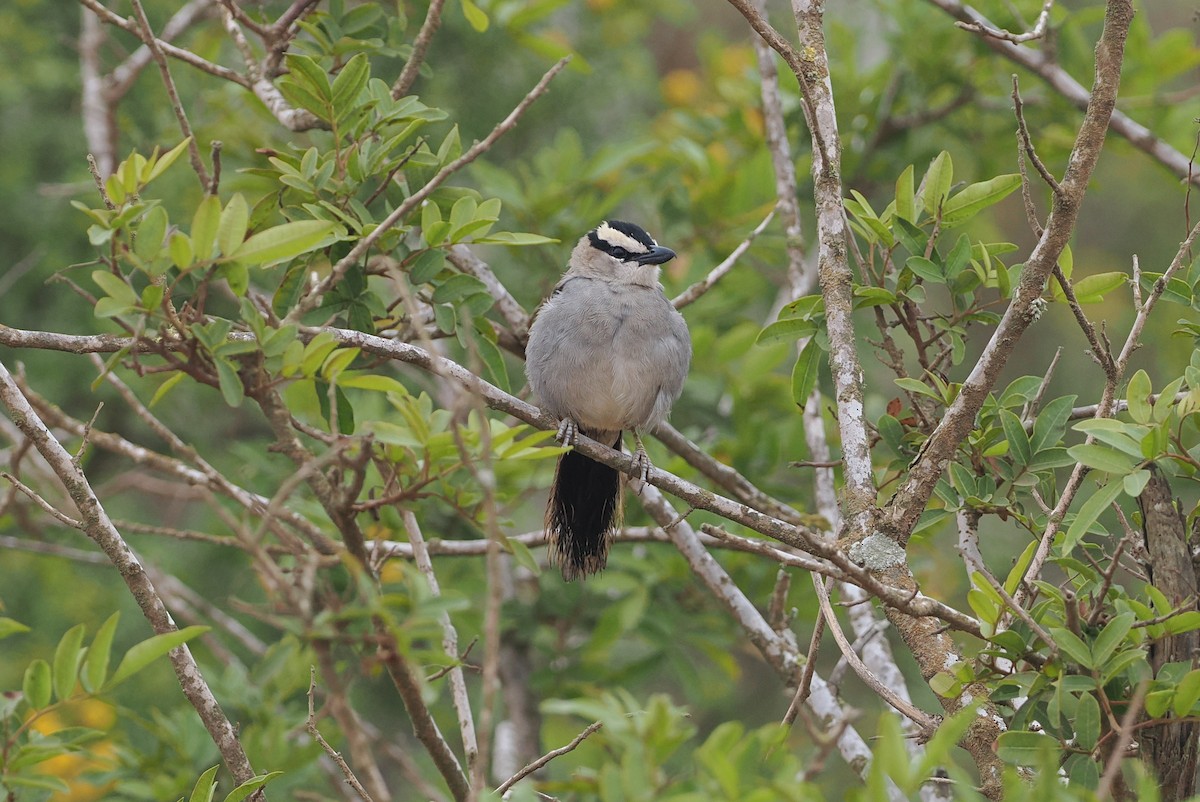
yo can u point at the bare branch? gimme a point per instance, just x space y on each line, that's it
311 726
1042 63
546 758
1036 32
705 284
412 67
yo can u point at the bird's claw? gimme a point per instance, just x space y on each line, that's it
568 432
641 464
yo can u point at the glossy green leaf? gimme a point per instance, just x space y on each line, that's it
95 666
143 654
905 197
1092 289
1111 637
1104 458
936 183
1018 442
308 74
250 786
150 234
1087 721
37 686
1097 503
805 372
1187 693
9 627
205 224
1138 397
350 82
1025 748
205 787
67 658
232 228
1072 647
158 166
284 242
475 16
974 198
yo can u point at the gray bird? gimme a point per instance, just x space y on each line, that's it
607 353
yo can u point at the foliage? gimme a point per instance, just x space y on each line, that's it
280 442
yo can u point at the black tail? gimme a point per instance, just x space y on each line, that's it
584 508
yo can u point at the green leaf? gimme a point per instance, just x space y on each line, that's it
1018 442
936 183
165 387
787 330
349 84
451 147
1138 397
1097 503
229 382
925 269
10 627
116 288
205 224
1187 693
150 234
250 786
232 229
1136 482
976 197
143 654
1087 721
426 266
1104 458
180 249
37 685
1072 646
67 658
475 16
157 167
284 242
905 198
1111 637
205 787
514 238
1092 289
95 667
1025 748
1051 423
309 75
805 372
458 287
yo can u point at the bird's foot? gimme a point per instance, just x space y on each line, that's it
641 461
568 432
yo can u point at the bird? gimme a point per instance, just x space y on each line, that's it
607 353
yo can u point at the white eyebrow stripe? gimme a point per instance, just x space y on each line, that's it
619 239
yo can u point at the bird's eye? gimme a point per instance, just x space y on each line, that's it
619 253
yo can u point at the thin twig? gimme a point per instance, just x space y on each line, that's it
172 93
311 725
1037 32
923 720
546 758
705 284
1124 737
412 67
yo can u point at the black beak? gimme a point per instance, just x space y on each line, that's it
656 256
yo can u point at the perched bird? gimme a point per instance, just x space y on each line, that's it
607 353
